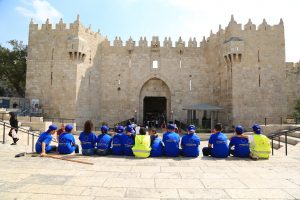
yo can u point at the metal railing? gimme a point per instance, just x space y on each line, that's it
285 133
125 122
280 120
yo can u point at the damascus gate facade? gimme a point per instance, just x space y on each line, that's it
240 72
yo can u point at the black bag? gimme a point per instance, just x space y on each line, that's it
10 133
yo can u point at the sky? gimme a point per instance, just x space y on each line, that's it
163 18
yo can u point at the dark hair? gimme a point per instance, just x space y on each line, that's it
218 127
142 131
153 129
88 126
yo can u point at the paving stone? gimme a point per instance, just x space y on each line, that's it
145 169
45 179
181 169
203 175
86 181
60 197
151 193
222 183
269 183
258 193
202 193
14 196
104 192
178 183
53 189
161 175
293 192
129 182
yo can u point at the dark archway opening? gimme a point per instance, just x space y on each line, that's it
155 111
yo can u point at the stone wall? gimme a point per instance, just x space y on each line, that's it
79 74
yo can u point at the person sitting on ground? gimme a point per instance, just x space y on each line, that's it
42 145
88 139
190 143
60 131
142 144
259 144
13 122
239 145
104 142
117 141
66 141
156 144
128 140
217 144
171 142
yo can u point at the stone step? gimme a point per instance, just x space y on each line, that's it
276 145
295 134
290 140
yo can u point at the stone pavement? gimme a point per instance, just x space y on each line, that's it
121 177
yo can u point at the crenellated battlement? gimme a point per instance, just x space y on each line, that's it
293 67
76 26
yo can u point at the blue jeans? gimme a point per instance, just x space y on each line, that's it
88 152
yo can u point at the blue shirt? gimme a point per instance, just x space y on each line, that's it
156 146
104 141
66 143
128 141
46 138
117 144
219 145
190 145
241 146
88 141
171 142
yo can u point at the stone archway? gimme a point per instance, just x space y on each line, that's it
154 100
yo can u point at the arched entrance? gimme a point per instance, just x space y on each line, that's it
155 102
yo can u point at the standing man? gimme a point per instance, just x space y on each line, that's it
259 144
171 142
217 144
190 143
13 122
67 143
240 143
42 145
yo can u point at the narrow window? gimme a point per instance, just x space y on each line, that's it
70 54
240 57
129 62
51 77
180 63
259 80
155 64
52 53
89 79
258 59
190 84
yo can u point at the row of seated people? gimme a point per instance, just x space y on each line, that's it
126 142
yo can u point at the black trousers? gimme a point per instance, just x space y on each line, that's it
206 151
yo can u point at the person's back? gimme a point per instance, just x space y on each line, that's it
241 146
66 141
240 143
259 144
88 140
219 143
117 142
171 142
156 144
128 141
141 148
104 142
190 143
44 137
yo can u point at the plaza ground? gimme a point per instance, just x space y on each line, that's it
119 177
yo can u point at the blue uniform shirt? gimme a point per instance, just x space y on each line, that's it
104 141
117 144
156 146
88 141
46 138
241 146
220 146
190 145
66 143
171 142
128 142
